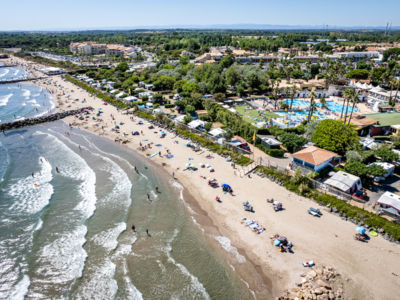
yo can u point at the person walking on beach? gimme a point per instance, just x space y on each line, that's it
148 234
173 175
148 197
157 189
33 174
133 228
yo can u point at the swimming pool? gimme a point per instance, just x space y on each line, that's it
332 105
300 114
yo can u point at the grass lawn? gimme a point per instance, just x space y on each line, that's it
386 119
248 114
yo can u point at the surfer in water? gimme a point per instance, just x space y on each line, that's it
157 190
148 234
133 228
148 197
58 171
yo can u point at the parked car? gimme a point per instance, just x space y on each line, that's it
362 195
240 144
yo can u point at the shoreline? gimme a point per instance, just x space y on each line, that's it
328 241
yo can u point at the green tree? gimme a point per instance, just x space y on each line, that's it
292 141
334 135
122 67
366 173
226 61
187 119
358 74
208 126
310 128
386 154
164 83
189 109
353 156
219 97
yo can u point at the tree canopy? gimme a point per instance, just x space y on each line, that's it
334 135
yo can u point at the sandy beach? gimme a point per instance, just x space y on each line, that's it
371 270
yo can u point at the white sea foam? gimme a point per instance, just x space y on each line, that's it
4 161
21 289
63 259
39 225
4 72
26 93
130 290
226 245
178 186
91 144
4 99
108 238
101 283
196 285
76 168
32 194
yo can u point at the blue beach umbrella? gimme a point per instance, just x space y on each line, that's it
277 243
226 186
360 229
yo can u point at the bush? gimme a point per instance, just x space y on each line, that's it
276 153
169 105
292 141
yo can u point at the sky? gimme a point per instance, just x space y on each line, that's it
102 14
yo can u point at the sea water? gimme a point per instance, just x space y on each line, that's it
68 200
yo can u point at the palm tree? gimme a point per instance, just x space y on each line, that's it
322 101
355 100
347 95
397 85
312 106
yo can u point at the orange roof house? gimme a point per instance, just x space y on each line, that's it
314 158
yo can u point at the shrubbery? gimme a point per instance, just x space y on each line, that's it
342 207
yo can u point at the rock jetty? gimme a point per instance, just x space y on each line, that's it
319 283
42 119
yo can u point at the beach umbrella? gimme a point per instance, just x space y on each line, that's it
360 229
100 108
277 243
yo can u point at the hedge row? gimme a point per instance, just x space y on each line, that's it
236 157
342 207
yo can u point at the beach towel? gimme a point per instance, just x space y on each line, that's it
154 154
158 145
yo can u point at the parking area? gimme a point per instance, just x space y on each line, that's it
392 184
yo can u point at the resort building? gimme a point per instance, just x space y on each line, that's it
345 182
87 48
363 124
314 159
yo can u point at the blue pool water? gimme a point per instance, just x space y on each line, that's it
332 105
